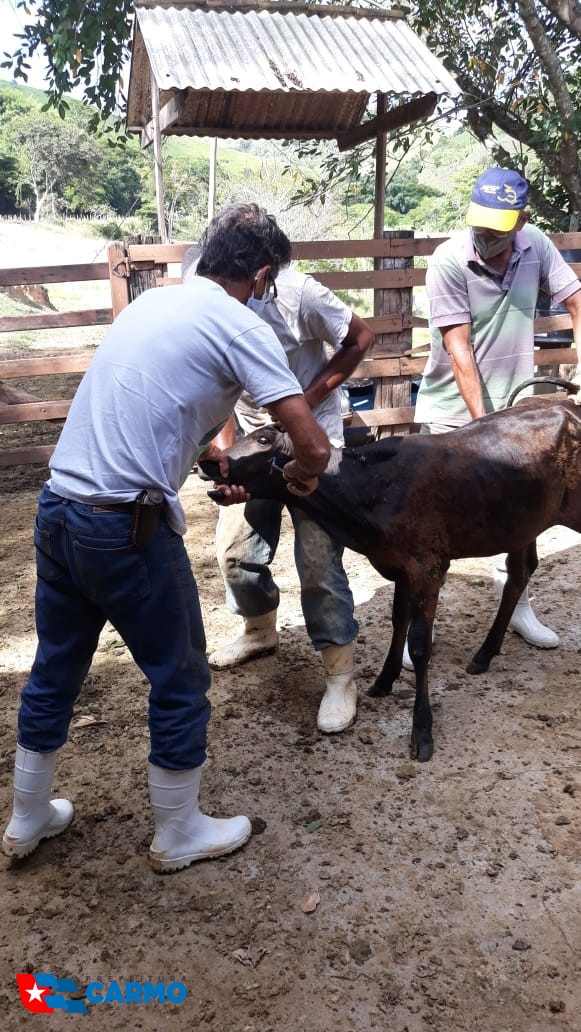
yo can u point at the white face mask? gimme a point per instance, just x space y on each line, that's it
489 247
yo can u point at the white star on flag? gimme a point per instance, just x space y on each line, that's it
36 993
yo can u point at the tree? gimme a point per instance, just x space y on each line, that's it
117 181
186 182
404 192
445 213
85 44
51 155
8 184
185 188
517 63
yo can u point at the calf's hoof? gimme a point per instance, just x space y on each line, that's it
422 751
479 664
380 688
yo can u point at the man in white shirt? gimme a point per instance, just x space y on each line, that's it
305 317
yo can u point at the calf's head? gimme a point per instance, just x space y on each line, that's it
254 462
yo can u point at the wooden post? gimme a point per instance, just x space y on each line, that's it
126 278
212 180
118 277
142 279
379 219
157 160
395 391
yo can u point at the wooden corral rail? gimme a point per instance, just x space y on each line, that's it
392 364
133 268
11 409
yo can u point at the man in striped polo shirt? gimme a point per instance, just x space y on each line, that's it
483 285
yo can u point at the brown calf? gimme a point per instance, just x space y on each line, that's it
412 504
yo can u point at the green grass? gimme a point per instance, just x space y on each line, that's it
236 162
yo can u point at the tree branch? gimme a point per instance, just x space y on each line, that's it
568 13
569 151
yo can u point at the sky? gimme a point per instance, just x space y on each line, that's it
12 21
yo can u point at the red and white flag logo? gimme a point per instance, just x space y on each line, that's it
32 995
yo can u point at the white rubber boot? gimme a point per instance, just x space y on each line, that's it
182 833
259 638
339 703
35 815
524 621
407 659
406 662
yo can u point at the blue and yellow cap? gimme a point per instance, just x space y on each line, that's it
498 198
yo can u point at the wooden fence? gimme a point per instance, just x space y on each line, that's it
134 267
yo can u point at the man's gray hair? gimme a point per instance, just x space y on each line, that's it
234 216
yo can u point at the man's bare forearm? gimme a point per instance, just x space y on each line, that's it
458 344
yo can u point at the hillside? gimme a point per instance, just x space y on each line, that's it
238 157
86 176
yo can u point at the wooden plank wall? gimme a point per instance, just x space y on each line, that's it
23 368
132 267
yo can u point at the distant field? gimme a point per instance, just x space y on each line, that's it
236 162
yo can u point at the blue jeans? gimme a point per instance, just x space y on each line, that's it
247 537
88 571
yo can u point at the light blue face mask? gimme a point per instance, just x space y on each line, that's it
268 310
489 247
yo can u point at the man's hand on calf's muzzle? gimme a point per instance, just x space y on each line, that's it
298 482
229 494
214 454
223 494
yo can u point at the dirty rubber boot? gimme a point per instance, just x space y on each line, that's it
259 638
182 833
35 815
406 662
525 623
407 659
339 703
523 620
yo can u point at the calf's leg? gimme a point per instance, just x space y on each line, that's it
520 566
420 646
425 592
400 616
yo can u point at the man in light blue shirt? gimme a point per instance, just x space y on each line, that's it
109 528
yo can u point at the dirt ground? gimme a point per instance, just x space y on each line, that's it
449 892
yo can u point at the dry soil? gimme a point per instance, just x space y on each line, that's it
449 891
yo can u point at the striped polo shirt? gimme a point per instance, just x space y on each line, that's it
501 310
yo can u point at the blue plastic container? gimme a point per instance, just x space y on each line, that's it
361 394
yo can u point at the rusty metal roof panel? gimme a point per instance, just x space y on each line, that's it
314 73
270 114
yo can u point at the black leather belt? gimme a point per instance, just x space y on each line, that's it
123 507
145 514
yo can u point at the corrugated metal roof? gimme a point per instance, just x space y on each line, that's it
314 72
